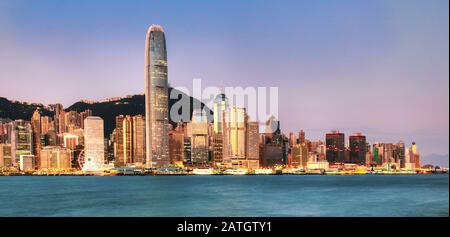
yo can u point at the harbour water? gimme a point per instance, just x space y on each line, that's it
285 195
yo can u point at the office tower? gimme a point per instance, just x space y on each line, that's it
270 155
220 105
388 154
6 158
55 157
177 145
156 98
252 145
301 137
399 154
58 109
234 144
36 126
199 138
21 140
94 147
335 147
299 155
138 139
128 138
358 148
118 139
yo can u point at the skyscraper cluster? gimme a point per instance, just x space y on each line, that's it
47 142
76 140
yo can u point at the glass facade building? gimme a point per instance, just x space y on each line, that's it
156 99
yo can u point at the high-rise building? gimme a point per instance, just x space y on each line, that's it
220 105
58 109
6 158
128 138
301 137
399 154
234 144
252 145
357 143
94 147
271 155
21 140
36 126
46 124
177 145
335 147
138 139
299 154
415 155
292 139
199 138
156 98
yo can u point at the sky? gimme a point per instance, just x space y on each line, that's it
378 67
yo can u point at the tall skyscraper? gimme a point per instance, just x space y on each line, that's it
358 148
335 144
220 105
94 147
156 98
234 136
36 126
252 145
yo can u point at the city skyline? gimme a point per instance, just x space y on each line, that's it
339 102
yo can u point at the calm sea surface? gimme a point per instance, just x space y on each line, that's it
300 195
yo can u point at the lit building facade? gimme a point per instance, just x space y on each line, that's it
36 127
156 98
357 145
335 147
94 144
55 157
